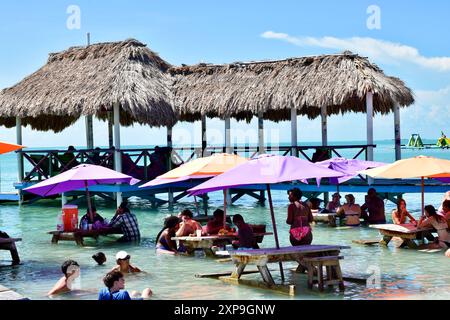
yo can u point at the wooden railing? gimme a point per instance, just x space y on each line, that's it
147 163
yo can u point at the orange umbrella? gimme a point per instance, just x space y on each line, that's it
418 167
9 147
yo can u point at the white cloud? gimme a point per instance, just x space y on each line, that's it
384 51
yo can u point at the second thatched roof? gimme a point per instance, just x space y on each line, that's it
241 90
88 81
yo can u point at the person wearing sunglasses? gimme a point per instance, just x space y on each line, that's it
123 263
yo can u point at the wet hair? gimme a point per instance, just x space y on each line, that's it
399 203
187 213
66 264
432 213
296 192
112 277
169 223
371 190
99 257
446 204
124 205
71 148
218 213
237 217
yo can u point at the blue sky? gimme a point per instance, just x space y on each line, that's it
411 44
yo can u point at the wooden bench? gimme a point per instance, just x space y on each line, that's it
333 272
10 245
408 233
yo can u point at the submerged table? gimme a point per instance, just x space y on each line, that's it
206 243
10 245
407 232
262 257
79 235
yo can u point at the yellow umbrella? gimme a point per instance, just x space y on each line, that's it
418 167
212 165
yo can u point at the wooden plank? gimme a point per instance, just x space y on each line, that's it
398 234
9 240
288 250
11 295
222 274
280 288
367 242
399 228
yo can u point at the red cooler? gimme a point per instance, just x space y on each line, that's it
70 217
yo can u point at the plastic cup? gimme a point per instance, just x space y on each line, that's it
199 233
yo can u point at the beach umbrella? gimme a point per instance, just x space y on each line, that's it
198 169
6 147
266 170
418 167
349 167
80 177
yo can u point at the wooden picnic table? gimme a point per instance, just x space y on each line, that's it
206 243
79 235
408 233
262 257
10 245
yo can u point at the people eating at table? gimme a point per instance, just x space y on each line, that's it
216 223
372 210
86 220
433 220
188 226
123 263
164 242
400 214
299 217
335 203
350 211
127 222
246 238
71 271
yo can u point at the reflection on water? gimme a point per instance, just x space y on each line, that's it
405 274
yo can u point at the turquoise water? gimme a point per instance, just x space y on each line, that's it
404 273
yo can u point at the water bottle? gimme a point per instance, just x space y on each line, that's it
59 223
84 224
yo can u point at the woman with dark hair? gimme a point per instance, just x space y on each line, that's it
432 219
400 214
164 242
299 218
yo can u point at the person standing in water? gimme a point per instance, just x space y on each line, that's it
299 216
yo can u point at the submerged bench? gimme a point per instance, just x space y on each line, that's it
10 245
79 235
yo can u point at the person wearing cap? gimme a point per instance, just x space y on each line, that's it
351 211
335 203
372 210
127 222
123 263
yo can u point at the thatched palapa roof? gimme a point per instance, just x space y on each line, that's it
241 90
88 80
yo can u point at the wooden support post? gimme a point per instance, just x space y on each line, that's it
170 144
110 129
204 137
117 153
323 115
20 166
369 111
398 139
261 133
89 132
294 131
228 136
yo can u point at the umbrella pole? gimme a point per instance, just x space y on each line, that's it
275 232
224 208
91 214
423 196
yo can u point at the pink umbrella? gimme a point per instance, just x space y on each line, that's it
80 177
349 167
266 169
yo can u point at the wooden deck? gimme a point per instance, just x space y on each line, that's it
8 294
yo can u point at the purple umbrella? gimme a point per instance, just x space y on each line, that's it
266 169
349 167
79 177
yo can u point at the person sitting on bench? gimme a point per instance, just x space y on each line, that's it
216 224
245 234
